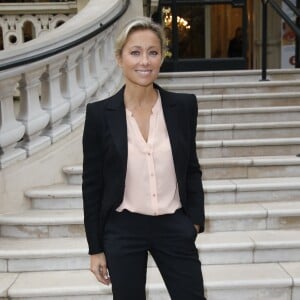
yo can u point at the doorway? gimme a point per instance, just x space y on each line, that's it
205 35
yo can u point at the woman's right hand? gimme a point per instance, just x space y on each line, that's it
99 268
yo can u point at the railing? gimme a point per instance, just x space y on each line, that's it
45 84
14 26
294 25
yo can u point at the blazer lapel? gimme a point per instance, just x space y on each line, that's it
116 118
171 115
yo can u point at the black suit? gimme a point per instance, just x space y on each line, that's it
127 237
105 159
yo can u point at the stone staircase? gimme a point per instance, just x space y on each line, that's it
248 139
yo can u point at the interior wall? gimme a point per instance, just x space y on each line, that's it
225 19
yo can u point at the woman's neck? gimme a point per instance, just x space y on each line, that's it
138 97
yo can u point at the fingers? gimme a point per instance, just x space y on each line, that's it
99 268
105 275
102 275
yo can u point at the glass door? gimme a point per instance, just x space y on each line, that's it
204 35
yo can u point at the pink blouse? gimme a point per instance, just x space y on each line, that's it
150 184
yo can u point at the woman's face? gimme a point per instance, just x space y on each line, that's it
141 58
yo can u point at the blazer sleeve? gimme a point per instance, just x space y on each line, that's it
195 193
92 178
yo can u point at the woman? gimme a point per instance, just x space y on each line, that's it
142 188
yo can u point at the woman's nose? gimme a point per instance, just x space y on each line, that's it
145 59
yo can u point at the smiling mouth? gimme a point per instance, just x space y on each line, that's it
143 71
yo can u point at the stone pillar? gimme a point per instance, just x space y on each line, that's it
71 91
11 131
100 66
31 115
53 101
86 80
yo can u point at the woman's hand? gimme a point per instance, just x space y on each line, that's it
99 268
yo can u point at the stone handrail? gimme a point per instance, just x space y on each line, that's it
43 101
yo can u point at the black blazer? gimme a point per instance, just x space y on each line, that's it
105 159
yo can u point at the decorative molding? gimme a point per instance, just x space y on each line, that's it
13 30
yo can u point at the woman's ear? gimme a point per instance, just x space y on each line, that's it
119 60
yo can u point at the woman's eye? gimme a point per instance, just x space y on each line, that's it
153 53
135 53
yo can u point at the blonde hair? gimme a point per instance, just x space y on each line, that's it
140 23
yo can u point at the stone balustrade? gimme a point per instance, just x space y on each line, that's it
43 101
20 28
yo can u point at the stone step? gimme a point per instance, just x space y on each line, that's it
248 115
226 88
36 223
252 190
260 282
249 100
228 167
265 246
247 167
253 216
6 281
73 174
226 76
43 254
264 281
248 147
57 254
59 196
259 130
64 197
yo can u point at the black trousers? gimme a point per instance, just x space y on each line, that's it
170 239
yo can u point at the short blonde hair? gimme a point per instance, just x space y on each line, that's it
139 23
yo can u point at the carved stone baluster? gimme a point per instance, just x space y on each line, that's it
86 81
112 81
71 90
53 102
104 53
110 49
11 131
95 62
101 68
106 67
31 115
116 72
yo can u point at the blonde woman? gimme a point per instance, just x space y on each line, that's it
142 188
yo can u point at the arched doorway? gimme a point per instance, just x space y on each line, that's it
204 34
28 31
